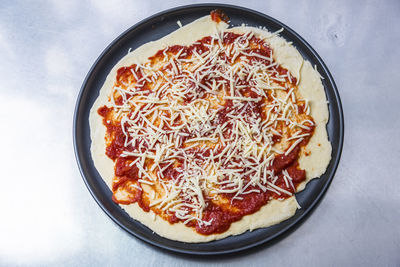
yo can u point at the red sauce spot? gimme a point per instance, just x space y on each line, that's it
221 114
119 101
296 173
276 138
104 111
123 169
171 172
121 181
282 161
134 195
302 108
221 220
199 46
144 204
172 219
218 15
230 37
117 145
176 48
124 73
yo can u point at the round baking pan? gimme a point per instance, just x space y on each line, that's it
152 29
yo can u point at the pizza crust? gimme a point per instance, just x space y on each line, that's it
275 211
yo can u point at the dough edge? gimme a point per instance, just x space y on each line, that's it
275 211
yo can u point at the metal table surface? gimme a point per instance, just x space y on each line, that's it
49 217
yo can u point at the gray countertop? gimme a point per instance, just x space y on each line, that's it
49 217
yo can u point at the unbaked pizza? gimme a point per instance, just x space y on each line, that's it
210 131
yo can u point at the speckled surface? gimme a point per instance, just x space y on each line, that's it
49 217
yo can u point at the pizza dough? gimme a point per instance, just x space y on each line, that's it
314 157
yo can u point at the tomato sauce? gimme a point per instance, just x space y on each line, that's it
222 216
218 15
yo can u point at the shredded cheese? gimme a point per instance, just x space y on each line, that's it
201 124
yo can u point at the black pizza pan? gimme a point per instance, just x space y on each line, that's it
151 29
